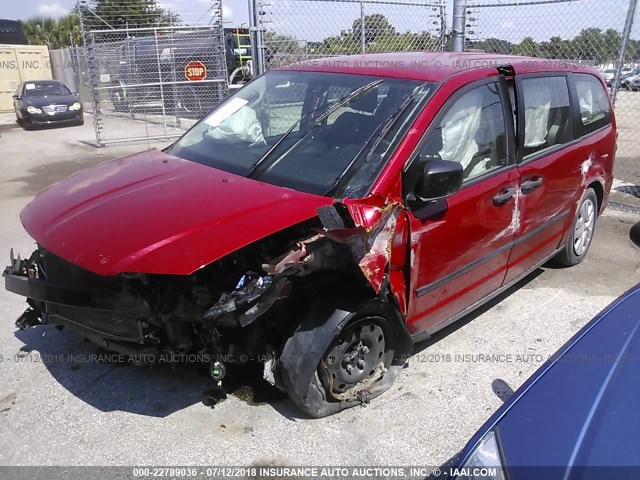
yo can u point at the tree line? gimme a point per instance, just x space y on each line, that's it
595 45
99 14
377 34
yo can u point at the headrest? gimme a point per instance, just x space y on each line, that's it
366 102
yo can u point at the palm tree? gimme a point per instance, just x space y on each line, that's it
55 33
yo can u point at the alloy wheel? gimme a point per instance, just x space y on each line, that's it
583 230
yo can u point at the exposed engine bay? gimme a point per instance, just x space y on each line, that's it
241 308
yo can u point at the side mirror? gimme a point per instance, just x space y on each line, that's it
77 94
17 97
439 179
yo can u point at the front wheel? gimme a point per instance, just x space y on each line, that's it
343 357
582 230
357 358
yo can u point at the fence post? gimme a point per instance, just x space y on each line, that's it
363 30
628 24
459 20
443 25
257 38
91 71
159 66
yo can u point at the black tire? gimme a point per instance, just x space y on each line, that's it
634 234
575 250
18 120
316 359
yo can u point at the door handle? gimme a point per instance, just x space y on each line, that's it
530 185
504 196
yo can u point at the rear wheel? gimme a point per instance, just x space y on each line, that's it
581 235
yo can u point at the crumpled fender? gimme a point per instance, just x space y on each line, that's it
378 240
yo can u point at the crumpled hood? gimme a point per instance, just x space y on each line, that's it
155 213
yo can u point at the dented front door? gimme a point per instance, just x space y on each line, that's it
460 249
460 258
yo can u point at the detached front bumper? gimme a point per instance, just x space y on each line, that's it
98 308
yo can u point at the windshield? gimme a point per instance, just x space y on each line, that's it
44 89
321 133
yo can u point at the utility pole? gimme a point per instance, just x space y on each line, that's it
257 44
459 21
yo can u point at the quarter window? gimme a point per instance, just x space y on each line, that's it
472 132
595 111
547 113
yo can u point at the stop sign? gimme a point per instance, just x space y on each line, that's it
195 71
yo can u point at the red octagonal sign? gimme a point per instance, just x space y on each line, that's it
195 71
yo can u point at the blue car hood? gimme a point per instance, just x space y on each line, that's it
581 409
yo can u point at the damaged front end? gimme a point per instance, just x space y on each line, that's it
246 306
107 310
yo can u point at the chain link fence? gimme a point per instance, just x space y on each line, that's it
296 30
601 33
152 75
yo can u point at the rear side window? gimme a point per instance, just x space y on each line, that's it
547 113
595 111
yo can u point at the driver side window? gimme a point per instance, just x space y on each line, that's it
472 132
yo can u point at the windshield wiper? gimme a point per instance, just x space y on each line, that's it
378 134
332 108
389 125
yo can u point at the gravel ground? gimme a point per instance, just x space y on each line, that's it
70 412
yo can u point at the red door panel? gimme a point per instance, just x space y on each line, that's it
461 257
551 173
544 210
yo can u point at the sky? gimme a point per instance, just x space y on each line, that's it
313 21
235 10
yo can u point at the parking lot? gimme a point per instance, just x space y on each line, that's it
59 405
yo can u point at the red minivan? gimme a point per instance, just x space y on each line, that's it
327 216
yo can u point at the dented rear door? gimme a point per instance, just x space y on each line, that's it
550 170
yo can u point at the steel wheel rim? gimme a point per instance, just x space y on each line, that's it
583 230
355 355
